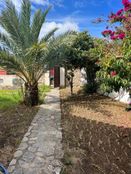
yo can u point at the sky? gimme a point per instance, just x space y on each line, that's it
74 15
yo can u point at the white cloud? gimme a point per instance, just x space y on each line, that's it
62 27
41 2
17 3
84 3
48 2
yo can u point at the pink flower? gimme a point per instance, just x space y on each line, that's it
112 16
121 36
106 32
127 8
120 12
113 73
117 18
127 5
114 37
125 2
113 33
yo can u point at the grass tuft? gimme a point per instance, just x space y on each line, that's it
10 98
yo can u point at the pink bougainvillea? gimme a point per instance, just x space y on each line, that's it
121 35
127 5
107 33
120 12
123 16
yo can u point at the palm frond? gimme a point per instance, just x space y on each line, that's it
9 20
36 60
48 35
25 22
5 41
38 20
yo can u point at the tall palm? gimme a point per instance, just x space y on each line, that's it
21 50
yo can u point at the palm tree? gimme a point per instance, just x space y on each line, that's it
21 50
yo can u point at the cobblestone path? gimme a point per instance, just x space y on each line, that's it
41 150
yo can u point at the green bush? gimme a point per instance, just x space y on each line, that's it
90 88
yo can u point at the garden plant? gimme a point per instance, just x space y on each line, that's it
115 62
21 49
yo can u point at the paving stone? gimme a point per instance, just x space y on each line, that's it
23 164
28 156
33 139
31 142
25 139
39 154
18 154
23 146
32 149
41 150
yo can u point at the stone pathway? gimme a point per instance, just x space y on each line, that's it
41 150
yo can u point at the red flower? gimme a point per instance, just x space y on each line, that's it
113 73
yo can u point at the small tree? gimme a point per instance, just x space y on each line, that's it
84 48
76 50
21 49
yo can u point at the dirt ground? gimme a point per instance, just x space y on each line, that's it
14 123
96 135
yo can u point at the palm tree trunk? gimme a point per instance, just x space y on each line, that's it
31 94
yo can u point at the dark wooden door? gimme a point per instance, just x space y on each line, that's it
57 76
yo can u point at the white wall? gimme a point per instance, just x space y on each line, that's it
122 96
45 79
83 77
7 80
62 77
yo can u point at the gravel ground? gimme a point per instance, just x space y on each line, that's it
96 135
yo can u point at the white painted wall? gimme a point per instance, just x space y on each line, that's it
83 77
47 78
62 77
7 80
122 96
